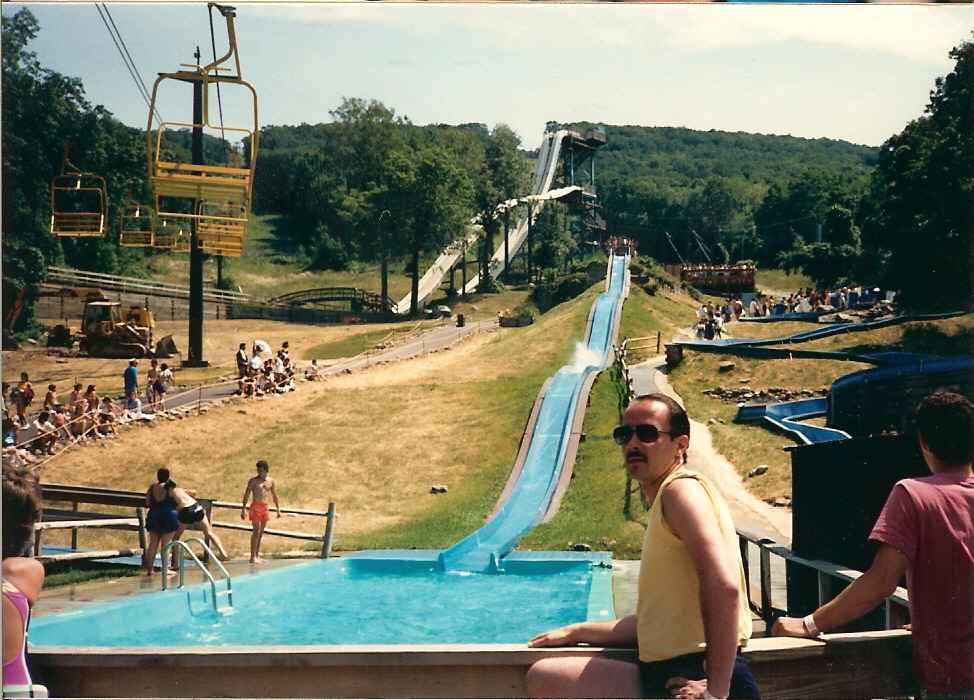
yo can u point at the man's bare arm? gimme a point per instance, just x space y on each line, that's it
690 514
274 494
614 633
243 502
862 595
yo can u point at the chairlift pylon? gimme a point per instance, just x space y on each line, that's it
215 198
78 201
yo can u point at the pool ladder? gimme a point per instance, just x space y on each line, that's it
183 546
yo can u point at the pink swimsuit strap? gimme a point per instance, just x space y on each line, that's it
15 671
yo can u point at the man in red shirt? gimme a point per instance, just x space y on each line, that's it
926 531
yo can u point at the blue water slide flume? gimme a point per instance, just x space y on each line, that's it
482 550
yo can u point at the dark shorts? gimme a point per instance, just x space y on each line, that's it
163 520
191 514
653 676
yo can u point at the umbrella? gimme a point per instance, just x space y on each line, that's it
263 346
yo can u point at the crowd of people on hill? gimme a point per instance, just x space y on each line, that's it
712 318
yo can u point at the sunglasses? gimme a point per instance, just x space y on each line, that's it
644 433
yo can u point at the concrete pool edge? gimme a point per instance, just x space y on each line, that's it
837 667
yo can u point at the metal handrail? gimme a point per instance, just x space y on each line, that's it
184 547
136 285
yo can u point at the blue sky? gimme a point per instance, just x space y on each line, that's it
852 72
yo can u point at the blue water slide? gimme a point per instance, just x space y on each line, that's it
483 550
787 416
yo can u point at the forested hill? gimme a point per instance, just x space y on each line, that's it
678 157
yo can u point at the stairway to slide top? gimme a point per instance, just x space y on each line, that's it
483 550
541 192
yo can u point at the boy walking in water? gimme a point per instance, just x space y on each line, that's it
257 487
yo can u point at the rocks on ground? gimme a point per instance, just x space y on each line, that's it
772 394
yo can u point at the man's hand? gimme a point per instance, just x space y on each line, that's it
790 627
243 513
279 512
680 687
561 637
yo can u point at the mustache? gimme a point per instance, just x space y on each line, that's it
635 453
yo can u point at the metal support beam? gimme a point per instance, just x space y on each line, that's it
195 358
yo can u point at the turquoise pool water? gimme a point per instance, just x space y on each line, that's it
350 601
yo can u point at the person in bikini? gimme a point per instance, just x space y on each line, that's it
23 577
257 487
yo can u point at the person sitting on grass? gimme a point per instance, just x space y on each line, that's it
258 487
45 434
23 577
312 372
925 532
190 512
106 418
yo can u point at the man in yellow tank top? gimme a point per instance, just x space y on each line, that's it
692 616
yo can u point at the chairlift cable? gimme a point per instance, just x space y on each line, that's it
130 67
138 74
219 102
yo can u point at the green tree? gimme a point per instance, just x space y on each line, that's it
919 215
437 201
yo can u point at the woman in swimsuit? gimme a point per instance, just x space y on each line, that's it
161 521
23 577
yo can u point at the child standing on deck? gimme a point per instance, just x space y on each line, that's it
257 487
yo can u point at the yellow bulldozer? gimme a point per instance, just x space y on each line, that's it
107 332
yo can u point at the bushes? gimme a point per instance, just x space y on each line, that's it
650 275
555 289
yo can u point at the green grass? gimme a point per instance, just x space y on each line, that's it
781 281
347 347
592 509
504 404
67 574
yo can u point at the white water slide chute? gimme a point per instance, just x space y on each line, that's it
541 193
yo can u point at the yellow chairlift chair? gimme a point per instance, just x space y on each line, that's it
78 202
135 226
171 234
186 187
221 228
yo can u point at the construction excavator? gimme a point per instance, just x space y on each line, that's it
107 332
106 329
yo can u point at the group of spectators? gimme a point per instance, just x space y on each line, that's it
258 375
810 300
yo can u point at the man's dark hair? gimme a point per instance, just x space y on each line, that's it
44 415
679 420
21 509
945 420
262 464
243 346
162 476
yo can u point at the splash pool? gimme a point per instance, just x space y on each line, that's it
382 598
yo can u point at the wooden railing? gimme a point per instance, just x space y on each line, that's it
368 300
133 285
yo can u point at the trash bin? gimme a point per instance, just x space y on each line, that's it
461 321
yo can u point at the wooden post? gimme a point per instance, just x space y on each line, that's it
747 569
765 569
74 530
172 309
37 542
326 540
140 514
658 338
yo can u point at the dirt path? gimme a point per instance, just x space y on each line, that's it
749 512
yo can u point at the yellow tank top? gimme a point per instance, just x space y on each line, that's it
670 622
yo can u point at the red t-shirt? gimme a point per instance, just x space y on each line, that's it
931 520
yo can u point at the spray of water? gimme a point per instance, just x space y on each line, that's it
583 358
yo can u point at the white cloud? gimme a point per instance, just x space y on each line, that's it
921 33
